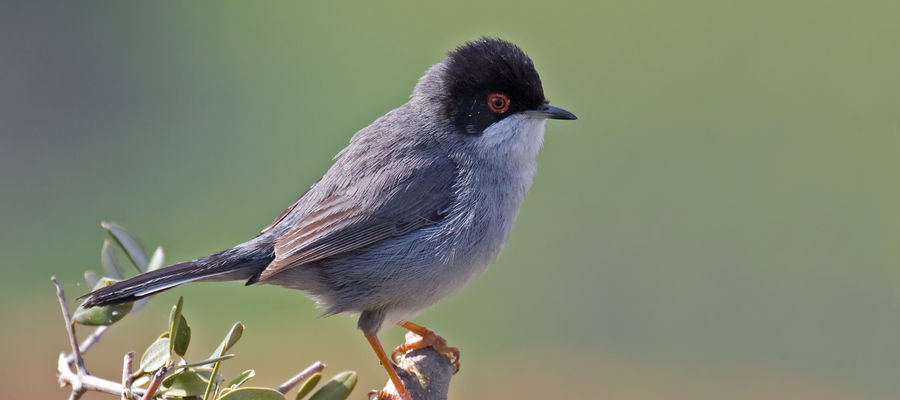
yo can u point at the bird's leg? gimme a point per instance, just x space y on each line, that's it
389 367
429 338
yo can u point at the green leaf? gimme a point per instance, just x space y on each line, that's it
211 386
141 381
252 394
109 261
91 278
186 383
182 337
156 260
242 378
102 315
230 339
156 355
132 246
179 331
337 388
309 385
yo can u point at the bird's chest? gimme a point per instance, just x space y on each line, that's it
496 204
490 187
482 220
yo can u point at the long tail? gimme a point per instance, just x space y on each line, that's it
239 263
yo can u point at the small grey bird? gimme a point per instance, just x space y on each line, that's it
417 205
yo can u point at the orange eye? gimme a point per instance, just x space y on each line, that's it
498 103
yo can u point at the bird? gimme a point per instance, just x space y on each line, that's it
417 205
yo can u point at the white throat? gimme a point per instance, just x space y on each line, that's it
513 142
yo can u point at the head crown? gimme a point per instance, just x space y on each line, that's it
473 74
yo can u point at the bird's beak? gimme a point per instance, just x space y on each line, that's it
548 111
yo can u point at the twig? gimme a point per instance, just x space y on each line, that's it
80 380
89 342
156 381
88 382
78 388
302 376
204 362
126 376
70 328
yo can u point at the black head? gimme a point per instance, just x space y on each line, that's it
488 80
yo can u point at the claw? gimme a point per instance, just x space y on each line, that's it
429 339
382 395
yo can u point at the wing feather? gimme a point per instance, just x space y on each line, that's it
352 217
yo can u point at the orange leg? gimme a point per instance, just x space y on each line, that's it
429 338
382 357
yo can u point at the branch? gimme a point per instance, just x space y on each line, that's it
80 371
302 376
80 380
88 382
70 327
89 342
156 381
126 375
425 373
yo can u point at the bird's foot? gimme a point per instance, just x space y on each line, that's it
429 339
382 395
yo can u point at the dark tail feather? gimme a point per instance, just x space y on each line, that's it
232 264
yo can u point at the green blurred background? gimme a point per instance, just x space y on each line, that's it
722 222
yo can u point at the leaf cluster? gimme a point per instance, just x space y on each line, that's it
163 370
201 379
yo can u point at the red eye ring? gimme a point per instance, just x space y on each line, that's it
498 103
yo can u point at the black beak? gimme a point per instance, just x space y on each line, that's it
548 111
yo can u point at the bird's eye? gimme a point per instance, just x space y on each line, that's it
498 103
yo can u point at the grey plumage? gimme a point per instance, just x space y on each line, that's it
420 202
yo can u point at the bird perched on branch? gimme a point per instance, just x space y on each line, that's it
417 205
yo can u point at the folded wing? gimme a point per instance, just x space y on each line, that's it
364 211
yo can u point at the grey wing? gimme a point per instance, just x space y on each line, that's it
370 209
